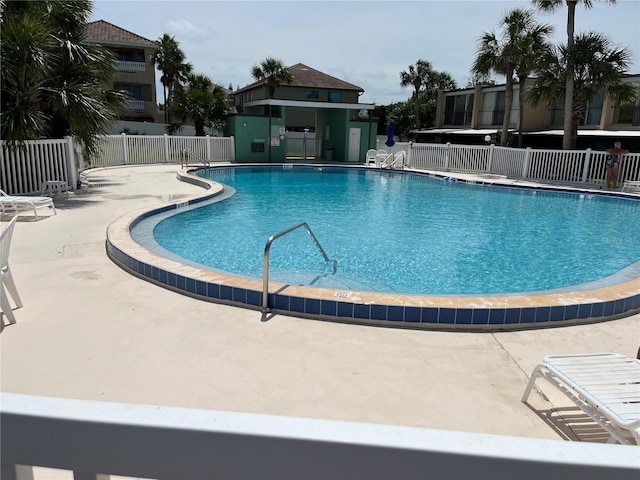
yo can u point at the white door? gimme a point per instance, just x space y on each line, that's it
354 145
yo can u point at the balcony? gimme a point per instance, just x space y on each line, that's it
125 66
135 105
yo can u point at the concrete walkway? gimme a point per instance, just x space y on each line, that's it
89 330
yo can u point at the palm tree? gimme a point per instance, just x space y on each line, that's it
417 76
200 101
26 64
534 45
515 52
429 95
598 66
170 60
273 72
52 82
551 6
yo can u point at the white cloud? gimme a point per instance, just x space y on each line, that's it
187 30
366 43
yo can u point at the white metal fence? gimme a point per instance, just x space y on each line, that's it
301 145
97 439
561 166
140 149
24 169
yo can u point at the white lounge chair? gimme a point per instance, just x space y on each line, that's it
630 186
15 205
606 386
6 279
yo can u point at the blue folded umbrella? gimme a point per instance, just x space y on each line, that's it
390 141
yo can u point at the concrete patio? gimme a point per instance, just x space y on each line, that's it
89 330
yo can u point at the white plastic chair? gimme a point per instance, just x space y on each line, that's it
370 158
6 279
381 157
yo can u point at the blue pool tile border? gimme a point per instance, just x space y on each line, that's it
393 315
410 316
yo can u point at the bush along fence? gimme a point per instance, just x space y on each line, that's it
24 169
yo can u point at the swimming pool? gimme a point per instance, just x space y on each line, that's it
404 232
614 295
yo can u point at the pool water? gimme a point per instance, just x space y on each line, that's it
404 232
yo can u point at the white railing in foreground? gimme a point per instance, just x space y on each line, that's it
99 438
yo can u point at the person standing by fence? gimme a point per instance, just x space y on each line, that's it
613 164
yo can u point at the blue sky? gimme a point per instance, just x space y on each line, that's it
364 42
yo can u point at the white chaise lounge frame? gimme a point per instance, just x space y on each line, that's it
606 386
631 186
15 205
6 279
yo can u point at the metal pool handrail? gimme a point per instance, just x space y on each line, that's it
267 248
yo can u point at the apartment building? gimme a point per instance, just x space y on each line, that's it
468 115
136 72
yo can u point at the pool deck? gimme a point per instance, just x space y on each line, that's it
90 330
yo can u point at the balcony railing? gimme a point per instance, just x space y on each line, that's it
135 105
126 66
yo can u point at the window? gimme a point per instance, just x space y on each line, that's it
557 113
628 113
130 55
486 113
594 110
458 109
257 147
134 90
498 109
335 96
311 94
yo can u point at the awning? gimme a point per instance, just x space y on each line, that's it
591 133
435 131
458 131
489 131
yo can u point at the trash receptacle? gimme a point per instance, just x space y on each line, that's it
328 154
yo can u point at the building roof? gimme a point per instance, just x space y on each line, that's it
305 76
105 32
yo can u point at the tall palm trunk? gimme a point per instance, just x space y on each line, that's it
568 93
417 108
166 107
521 99
508 102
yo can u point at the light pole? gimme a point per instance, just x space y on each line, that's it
304 142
